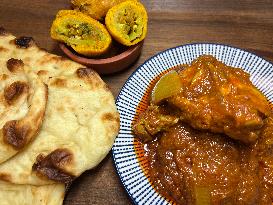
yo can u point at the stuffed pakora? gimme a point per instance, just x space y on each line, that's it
85 35
127 22
97 9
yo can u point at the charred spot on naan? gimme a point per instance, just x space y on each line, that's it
4 77
42 72
49 58
24 42
85 72
44 75
3 49
57 58
58 82
14 91
5 177
18 133
52 166
90 77
113 118
14 134
14 65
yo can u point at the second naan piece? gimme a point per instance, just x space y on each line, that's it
23 98
14 194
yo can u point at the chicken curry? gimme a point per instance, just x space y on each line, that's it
208 133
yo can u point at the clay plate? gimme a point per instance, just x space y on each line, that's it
119 58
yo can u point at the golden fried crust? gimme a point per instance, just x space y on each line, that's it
52 166
97 9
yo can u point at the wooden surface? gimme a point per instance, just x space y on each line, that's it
247 24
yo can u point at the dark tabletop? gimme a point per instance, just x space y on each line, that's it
246 24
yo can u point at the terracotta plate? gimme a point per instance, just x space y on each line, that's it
119 58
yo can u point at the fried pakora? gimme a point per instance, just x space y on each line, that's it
97 9
85 35
127 22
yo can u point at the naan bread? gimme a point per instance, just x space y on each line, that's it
80 124
23 98
14 194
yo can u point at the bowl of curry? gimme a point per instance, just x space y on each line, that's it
197 128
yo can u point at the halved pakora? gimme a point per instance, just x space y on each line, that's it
97 9
85 35
127 22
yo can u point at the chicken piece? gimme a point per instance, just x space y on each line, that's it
213 97
155 119
220 99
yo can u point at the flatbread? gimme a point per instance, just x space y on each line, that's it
14 194
80 124
23 98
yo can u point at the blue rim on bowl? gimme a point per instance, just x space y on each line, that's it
126 163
